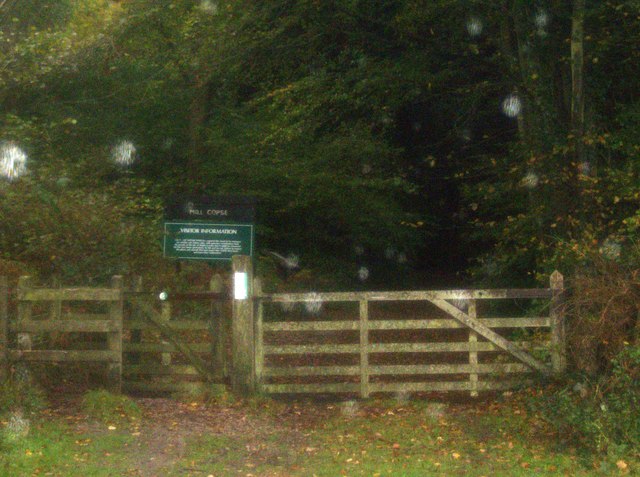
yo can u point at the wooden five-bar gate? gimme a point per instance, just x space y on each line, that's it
359 343
372 348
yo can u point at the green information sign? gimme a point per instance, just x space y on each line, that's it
207 241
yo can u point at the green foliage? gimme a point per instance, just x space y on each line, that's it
110 408
20 395
375 124
78 235
601 414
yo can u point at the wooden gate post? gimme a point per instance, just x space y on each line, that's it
558 345
259 334
114 338
473 350
220 330
243 372
24 311
364 348
4 328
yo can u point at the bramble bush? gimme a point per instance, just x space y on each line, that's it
600 415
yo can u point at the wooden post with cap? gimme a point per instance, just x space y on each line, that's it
556 314
243 375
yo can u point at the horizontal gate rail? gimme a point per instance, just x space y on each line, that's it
495 294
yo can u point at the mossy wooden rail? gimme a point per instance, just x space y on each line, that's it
143 348
108 323
364 368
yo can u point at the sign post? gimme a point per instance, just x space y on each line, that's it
221 229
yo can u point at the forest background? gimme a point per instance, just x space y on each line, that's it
389 144
492 138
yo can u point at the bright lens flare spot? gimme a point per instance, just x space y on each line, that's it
474 27
314 304
390 253
124 153
349 409
541 19
208 6
512 106
292 261
13 160
531 180
611 249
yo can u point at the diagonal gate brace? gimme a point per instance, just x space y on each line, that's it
170 335
491 335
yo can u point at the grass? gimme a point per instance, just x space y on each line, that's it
372 438
56 449
109 408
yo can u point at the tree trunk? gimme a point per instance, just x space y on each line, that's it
577 79
197 120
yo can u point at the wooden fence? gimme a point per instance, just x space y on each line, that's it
96 311
143 349
360 343
454 351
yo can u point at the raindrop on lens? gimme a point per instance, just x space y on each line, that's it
314 304
611 249
531 180
18 426
209 6
402 396
541 19
474 27
585 168
13 160
349 408
124 153
292 261
512 105
461 304
63 181
363 274
390 253
167 143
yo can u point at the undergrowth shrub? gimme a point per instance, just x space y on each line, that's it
110 408
603 310
598 406
17 395
598 414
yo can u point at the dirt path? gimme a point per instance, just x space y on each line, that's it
167 427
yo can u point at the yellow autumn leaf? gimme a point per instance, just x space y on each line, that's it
622 465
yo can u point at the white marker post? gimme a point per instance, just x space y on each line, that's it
243 372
